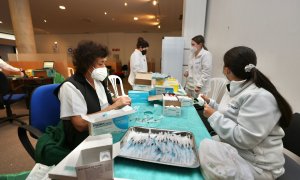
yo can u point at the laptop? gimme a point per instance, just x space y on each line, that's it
48 65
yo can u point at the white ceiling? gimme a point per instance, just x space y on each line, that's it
87 16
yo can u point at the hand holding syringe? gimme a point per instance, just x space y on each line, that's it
208 111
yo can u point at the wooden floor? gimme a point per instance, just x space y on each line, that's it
13 157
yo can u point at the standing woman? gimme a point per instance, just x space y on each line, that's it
248 122
138 61
199 68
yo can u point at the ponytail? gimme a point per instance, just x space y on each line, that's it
242 62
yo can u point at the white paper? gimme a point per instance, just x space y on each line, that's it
39 172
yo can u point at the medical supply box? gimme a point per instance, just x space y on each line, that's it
171 105
113 121
143 81
95 163
138 96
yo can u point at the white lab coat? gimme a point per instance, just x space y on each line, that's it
200 68
138 63
7 67
248 120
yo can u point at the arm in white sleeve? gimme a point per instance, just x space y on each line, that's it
72 102
7 67
256 118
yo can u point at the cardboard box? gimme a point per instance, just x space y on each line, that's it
138 96
113 121
95 163
171 107
143 79
172 111
139 87
163 89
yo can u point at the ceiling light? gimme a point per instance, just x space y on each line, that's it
158 26
45 20
125 4
105 13
135 18
154 3
1 22
62 7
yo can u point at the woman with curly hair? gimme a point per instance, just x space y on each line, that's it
86 91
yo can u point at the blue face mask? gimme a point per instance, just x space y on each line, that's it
99 73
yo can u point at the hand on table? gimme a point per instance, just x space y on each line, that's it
122 101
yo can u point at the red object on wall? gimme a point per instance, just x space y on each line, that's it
115 49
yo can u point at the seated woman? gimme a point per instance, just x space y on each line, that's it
86 92
248 122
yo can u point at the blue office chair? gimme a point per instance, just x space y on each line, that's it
9 97
44 111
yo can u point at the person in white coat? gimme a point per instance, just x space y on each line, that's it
138 61
248 122
7 67
199 69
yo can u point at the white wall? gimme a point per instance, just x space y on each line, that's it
126 42
270 27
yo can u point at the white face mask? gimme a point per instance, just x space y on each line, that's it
193 49
99 73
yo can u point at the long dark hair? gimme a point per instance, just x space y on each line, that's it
237 58
200 39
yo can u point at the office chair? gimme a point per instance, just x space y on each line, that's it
292 149
44 111
7 98
113 80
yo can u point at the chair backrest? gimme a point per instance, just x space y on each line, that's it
113 80
217 88
44 107
292 133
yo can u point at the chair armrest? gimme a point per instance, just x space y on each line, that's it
292 155
23 136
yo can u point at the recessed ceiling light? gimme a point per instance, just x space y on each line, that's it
45 20
125 4
154 3
62 7
158 26
135 18
105 13
1 22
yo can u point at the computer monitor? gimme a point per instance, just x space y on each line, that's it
48 64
